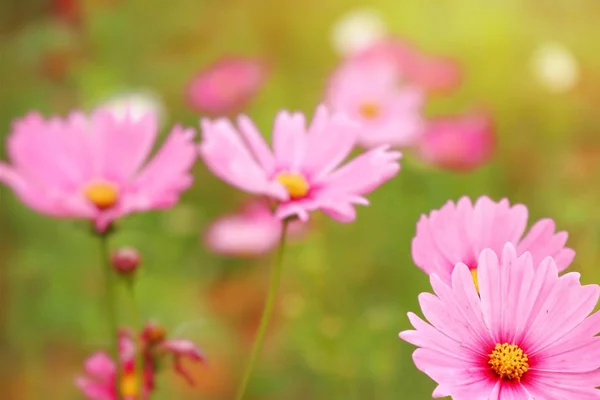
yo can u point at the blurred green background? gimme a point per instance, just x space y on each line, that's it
346 288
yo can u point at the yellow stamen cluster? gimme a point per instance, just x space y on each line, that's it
475 279
295 184
370 110
103 195
508 361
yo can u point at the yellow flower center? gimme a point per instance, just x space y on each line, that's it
102 194
508 361
475 280
129 385
370 110
295 184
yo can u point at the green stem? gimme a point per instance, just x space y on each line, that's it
139 360
266 314
111 312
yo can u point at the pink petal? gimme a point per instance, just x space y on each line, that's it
127 142
330 141
363 174
542 241
289 140
93 390
160 183
227 157
256 143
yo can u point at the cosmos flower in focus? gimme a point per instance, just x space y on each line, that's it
357 30
368 91
555 67
96 167
526 333
251 232
227 86
457 233
303 172
459 143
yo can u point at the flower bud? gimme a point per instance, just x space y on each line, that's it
126 260
153 333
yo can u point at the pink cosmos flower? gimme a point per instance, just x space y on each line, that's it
430 73
101 381
227 85
459 232
100 384
459 143
303 171
527 335
93 167
251 232
368 90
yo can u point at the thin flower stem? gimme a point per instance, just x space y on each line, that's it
266 314
139 360
111 312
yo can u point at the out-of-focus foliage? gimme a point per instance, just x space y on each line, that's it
346 288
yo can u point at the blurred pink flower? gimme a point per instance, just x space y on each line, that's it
430 73
303 171
100 384
369 91
227 86
93 167
459 232
251 232
459 143
527 335
156 346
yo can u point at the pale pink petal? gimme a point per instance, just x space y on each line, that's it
127 140
181 349
289 140
227 157
100 365
329 143
257 144
93 390
365 172
542 241
160 183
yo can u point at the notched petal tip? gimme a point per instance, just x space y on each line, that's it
509 252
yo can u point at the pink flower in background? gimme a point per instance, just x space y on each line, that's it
95 167
100 383
459 143
527 335
430 73
369 92
303 172
459 232
227 86
251 232
156 346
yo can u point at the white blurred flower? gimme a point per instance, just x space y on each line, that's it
356 30
555 67
137 102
